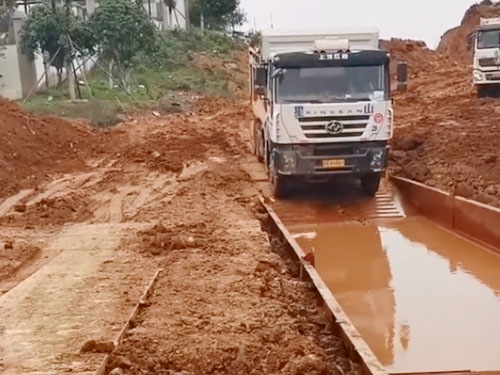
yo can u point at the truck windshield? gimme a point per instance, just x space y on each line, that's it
488 39
327 84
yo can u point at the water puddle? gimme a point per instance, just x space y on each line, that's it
423 298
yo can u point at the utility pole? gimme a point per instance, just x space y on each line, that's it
202 16
69 53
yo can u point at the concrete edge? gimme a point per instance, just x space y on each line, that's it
474 220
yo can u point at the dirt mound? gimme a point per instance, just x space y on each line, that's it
400 48
454 42
49 211
31 147
414 52
162 240
444 136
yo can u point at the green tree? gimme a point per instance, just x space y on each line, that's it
236 18
217 14
255 39
121 31
7 9
50 29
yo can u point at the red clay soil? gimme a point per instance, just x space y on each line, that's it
13 255
31 147
54 211
414 53
445 136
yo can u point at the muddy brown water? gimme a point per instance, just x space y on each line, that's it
423 298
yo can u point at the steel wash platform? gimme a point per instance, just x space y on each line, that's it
411 291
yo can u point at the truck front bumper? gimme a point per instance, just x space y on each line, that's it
329 160
486 77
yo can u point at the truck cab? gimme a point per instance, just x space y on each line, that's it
324 111
485 42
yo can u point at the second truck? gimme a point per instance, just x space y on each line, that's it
322 106
485 42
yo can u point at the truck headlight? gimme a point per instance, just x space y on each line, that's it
377 161
288 160
478 76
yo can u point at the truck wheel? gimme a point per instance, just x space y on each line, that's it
281 184
261 149
496 91
481 91
370 184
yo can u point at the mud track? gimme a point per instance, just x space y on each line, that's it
175 192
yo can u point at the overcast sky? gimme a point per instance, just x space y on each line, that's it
425 20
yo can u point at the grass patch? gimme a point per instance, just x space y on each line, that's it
101 113
189 63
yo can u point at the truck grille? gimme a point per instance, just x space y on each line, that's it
315 127
489 61
493 76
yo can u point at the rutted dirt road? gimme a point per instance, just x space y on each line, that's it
80 246
87 217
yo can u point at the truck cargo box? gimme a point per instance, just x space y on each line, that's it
489 21
278 41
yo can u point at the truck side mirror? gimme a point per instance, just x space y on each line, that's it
470 40
402 76
260 77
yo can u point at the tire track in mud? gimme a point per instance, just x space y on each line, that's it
115 208
47 317
10 202
228 285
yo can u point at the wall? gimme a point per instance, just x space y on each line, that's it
10 80
471 219
177 19
52 72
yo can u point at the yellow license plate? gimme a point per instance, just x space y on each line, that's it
334 163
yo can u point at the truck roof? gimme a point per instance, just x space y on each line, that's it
489 23
280 41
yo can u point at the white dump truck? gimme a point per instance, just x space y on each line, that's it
322 106
486 65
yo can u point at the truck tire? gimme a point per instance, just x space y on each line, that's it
481 91
496 91
370 184
281 186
